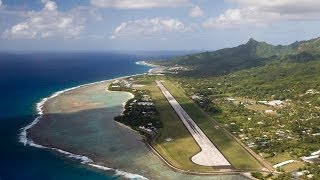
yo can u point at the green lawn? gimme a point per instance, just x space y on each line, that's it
231 149
292 166
279 158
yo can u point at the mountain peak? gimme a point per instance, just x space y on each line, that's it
251 40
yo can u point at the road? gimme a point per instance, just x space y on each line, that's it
209 154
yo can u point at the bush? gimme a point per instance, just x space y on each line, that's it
257 175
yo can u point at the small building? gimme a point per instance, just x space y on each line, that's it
145 103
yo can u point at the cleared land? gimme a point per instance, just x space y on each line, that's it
237 155
209 155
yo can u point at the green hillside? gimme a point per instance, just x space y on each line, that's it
251 54
312 46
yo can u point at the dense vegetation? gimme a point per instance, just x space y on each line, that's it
139 112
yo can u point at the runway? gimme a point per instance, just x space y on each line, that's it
209 154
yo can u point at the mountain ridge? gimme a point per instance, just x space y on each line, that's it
251 54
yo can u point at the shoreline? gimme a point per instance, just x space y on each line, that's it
23 135
124 103
153 69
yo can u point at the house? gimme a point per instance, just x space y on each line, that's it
269 111
312 91
196 97
145 103
274 103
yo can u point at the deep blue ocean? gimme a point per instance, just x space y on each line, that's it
26 78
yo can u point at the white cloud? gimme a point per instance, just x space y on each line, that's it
265 12
48 22
149 27
235 17
50 6
138 4
0 3
196 11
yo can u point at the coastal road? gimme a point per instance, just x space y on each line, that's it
209 154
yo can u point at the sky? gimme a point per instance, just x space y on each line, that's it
149 25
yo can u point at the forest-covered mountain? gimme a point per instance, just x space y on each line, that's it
251 54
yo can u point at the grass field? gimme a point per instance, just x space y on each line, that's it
279 158
292 166
179 151
231 149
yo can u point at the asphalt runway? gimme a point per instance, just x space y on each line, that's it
209 154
